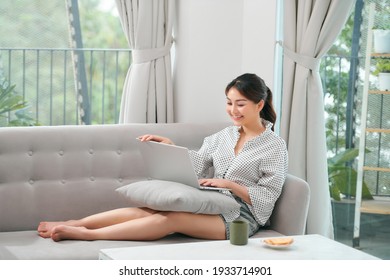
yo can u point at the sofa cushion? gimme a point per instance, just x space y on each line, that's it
171 196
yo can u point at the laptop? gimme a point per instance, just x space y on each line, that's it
170 163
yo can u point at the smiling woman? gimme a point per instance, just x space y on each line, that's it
248 158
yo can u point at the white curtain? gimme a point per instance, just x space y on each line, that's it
147 93
310 29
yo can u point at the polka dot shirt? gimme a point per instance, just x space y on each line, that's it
261 166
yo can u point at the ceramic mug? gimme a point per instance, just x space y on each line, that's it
238 232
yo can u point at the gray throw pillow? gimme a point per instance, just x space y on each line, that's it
171 196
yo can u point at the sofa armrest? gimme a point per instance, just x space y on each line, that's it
290 212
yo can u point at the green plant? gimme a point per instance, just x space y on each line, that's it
383 26
343 177
382 66
9 101
382 15
13 104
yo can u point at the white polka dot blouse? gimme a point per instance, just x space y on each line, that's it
261 166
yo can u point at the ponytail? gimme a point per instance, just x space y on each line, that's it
268 112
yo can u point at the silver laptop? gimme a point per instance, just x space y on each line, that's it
170 163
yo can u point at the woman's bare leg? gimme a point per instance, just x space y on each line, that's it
150 227
103 219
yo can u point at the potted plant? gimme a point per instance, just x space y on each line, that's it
381 40
382 70
381 29
343 177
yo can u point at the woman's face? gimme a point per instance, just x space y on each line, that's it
242 111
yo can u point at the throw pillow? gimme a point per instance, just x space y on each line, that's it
171 196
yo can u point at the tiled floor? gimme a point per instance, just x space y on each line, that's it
374 231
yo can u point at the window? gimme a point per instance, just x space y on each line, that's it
68 71
342 72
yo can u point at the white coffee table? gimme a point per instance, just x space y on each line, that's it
305 247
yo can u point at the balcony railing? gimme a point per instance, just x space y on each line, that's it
54 85
50 82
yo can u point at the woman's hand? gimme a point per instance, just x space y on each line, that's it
234 188
155 138
218 183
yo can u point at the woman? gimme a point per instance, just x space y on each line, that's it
248 158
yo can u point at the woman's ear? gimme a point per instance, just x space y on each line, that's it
260 105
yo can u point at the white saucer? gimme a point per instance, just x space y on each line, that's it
276 246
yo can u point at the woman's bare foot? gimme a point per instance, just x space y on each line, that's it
45 228
62 232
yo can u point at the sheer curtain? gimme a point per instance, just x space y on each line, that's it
147 93
310 29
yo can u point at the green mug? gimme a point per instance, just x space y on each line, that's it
238 232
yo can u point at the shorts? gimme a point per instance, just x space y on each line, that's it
245 215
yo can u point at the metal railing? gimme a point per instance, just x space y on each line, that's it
334 72
46 78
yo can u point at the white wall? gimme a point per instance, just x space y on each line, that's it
215 41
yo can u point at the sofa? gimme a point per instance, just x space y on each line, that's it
67 172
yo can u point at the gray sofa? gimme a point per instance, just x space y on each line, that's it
68 172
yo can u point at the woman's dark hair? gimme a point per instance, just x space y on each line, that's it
254 88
